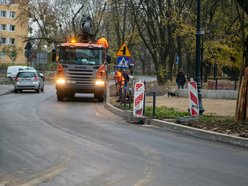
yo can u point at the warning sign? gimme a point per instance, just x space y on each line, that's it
123 51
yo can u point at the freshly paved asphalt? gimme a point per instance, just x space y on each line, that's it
8 88
78 142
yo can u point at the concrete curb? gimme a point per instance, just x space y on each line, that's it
209 135
113 109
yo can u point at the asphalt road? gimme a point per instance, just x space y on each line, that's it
78 142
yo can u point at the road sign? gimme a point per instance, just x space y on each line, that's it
123 51
193 98
138 104
28 46
123 62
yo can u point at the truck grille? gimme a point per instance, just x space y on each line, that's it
81 76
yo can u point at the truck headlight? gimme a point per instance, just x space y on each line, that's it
99 83
60 81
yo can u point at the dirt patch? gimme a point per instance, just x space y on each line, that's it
224 125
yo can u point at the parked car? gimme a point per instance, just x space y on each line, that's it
29 80
13 70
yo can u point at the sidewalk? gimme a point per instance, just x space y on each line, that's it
4 89
218 107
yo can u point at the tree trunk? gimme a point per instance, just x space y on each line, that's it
143 65
246 52
170 70
149 68
162 75
170 65
242 101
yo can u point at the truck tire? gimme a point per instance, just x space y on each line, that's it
60 98
99 97
60 95
71 95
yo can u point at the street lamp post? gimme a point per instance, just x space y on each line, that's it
198 56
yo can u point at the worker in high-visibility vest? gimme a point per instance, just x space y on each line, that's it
120 80
103 41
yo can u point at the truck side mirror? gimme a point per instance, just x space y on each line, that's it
108 58
53 55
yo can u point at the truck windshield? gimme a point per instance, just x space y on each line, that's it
81 56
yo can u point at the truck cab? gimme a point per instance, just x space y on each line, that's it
80 69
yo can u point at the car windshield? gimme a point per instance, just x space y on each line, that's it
26 74
81 56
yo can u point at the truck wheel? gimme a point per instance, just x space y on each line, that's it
100 97
60 98
71 95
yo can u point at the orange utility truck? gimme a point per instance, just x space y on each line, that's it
81 67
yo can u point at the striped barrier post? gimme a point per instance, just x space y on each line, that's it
138 104
193 98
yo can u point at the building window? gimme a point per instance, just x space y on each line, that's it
3 40
12 14
3 13
6 1
3 2
12 41
11 27
3 27
2 54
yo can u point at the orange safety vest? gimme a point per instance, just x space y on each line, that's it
103 41
101 72
119 78
60 70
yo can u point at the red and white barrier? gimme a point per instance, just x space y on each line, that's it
193 98
138 104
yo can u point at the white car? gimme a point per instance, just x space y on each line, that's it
29 80
13 70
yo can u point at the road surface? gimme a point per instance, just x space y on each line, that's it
77 142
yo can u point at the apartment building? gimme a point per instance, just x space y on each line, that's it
12 34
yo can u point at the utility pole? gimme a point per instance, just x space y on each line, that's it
198 56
